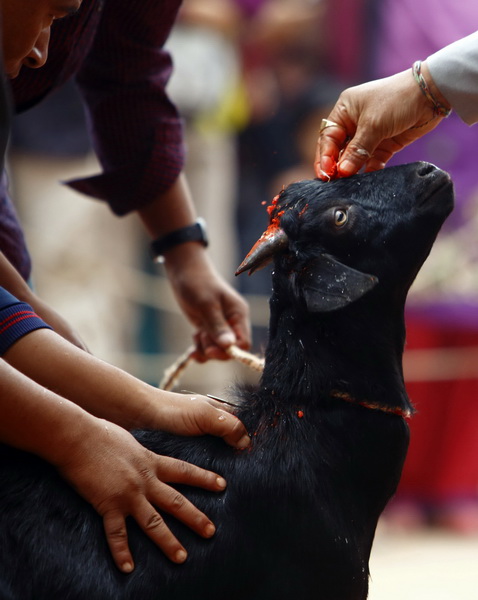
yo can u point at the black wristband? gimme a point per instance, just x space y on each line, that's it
191 233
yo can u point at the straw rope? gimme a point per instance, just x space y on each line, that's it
173 373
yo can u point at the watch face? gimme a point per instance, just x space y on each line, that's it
201 223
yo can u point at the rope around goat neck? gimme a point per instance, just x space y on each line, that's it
173 373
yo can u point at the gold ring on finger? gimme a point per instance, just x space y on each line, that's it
326 123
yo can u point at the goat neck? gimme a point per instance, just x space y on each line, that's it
356 351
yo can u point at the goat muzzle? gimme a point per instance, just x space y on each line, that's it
273 240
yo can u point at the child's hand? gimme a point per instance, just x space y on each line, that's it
195 415
121 478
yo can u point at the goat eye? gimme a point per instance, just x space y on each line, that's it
340 217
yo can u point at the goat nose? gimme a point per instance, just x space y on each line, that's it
425 169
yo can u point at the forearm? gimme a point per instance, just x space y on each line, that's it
170 210
97 387
37 420
12 281
217 311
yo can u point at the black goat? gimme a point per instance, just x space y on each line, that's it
298 517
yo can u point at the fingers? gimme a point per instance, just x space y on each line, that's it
153 526
365 150
351 154
173 470
195 415
117 538
219 422
230 321
213 306
166 499
231 429
223 324
359 124
337 154
152 523
121 478
216 323
332 139
207 349
241 325
170 501
356 154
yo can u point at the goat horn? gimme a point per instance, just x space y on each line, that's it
273 240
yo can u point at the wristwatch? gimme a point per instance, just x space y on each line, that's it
191 233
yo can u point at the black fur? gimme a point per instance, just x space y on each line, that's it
298 517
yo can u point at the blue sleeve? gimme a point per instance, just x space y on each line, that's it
6 299
16 320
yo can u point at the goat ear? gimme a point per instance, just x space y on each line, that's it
328 284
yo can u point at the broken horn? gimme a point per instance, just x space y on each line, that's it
273 240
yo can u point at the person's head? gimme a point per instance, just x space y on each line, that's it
26 30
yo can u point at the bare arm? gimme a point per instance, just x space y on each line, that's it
110 393
219 313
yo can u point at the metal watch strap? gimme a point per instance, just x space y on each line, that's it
190 233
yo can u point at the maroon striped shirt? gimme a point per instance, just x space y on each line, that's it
114 49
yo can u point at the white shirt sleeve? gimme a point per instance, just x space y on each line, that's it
454 69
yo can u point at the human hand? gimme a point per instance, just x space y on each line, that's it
194 415
373 122
219 313
121 478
